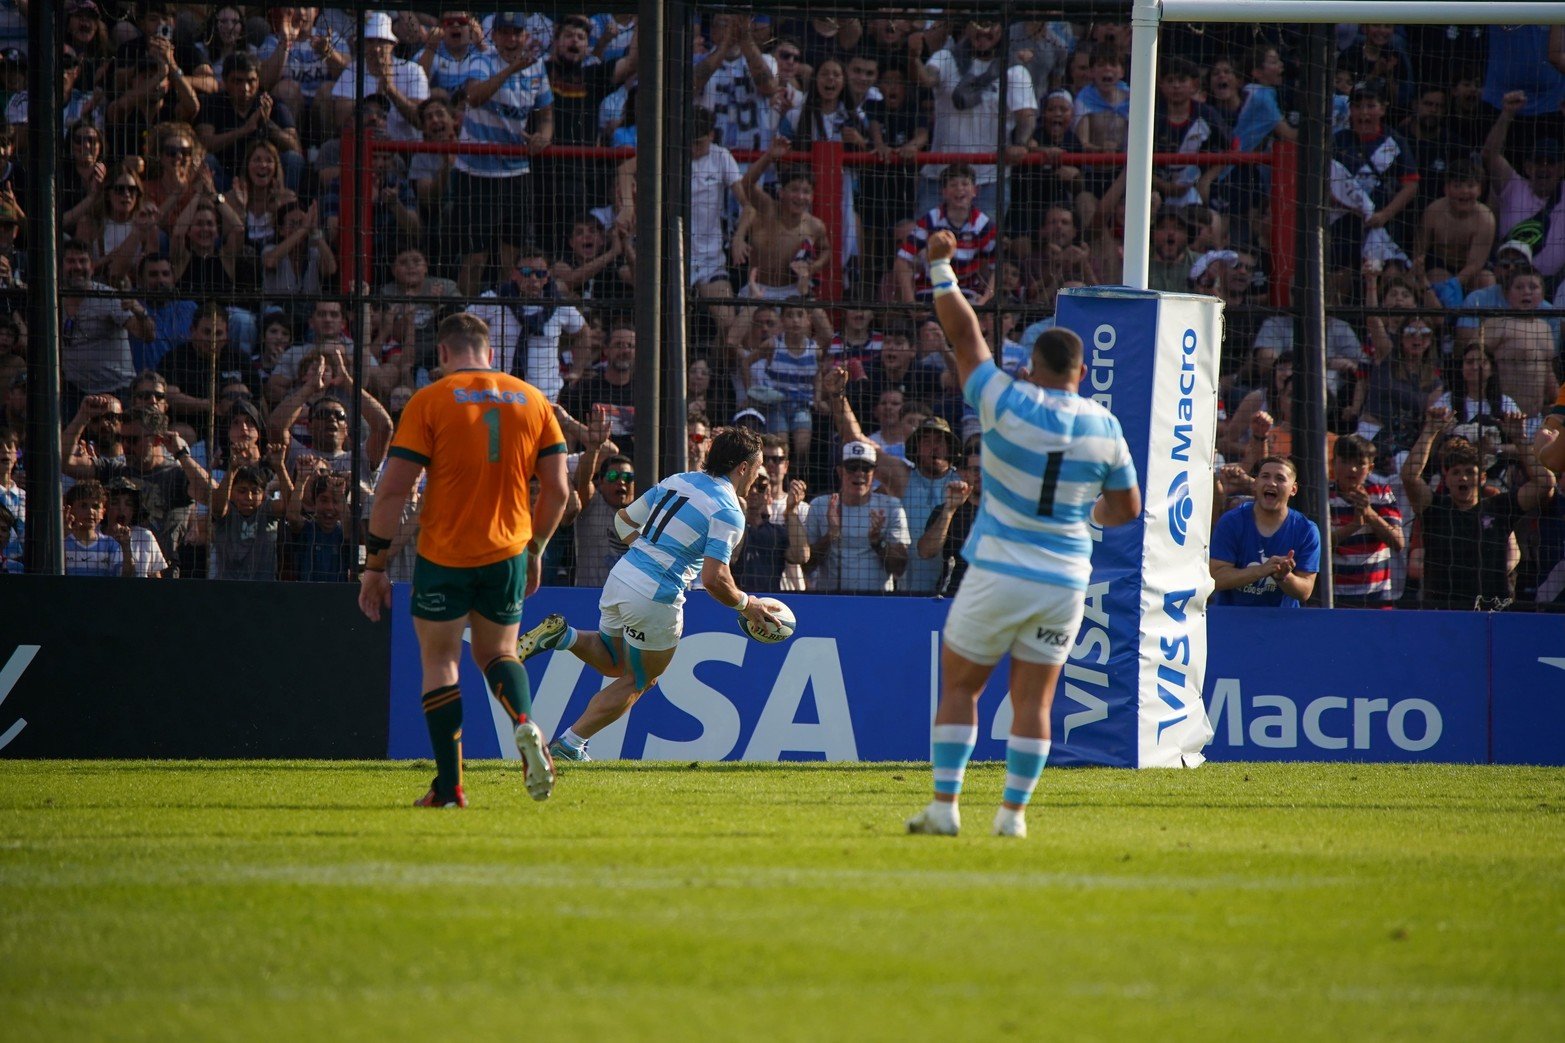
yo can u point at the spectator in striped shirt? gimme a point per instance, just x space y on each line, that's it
89 552
784 379
456 55
1366 526
975 240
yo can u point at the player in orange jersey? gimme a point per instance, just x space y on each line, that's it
479 436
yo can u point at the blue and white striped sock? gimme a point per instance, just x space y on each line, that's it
950 747
1024 760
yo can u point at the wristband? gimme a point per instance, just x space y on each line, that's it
374 544
182 452
744 602
943 278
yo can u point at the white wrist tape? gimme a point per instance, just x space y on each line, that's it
943 278
744 602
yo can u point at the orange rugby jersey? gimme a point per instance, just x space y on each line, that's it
479 435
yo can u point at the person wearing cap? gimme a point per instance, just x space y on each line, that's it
1053 460
1512 256
404 83
489 193
1531 204
124 509
931 451
858 538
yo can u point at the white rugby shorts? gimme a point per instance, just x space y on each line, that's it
994 614
648 625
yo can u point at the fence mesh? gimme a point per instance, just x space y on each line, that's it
265 213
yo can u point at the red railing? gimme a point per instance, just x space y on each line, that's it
825 159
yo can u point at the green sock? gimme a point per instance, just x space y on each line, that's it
443 717
508 681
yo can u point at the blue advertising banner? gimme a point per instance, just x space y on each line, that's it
1348 685
1528 678
857 681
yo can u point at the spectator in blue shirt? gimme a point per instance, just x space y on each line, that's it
1263 553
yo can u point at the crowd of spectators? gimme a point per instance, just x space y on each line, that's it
213 367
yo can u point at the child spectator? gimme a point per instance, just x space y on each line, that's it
784 379
319 546
1037 188
89 552
1366 526
1524 347
898 131
1456 232
1380 175
786 244
1172 258
857 341
1466 534
413 325
1182 124
1102 123
13 496
124 509
244 523
11 563
593 269
976 241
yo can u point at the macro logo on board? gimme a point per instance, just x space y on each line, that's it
1180 508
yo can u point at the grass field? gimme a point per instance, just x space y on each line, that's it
283 901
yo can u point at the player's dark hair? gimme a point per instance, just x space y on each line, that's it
1283 461
731 447
1058 351
956 170
1353 449
250 474
89 491
1460 454
617 460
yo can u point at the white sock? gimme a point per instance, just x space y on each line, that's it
574 741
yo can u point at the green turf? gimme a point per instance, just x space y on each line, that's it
230 901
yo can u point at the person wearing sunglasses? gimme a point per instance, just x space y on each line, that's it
528 325
454 55
685 526
605 482
858 538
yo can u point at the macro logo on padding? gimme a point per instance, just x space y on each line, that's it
1181 508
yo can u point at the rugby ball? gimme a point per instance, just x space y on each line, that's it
771 635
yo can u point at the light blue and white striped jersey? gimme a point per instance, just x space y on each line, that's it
1047 454
503 118
683 519
448 72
